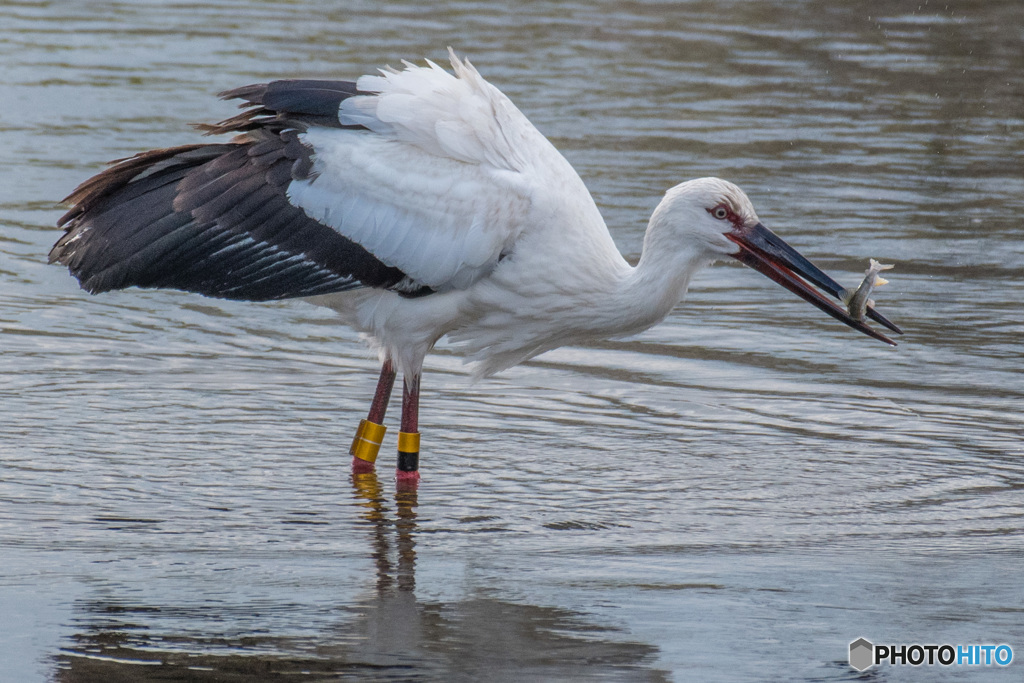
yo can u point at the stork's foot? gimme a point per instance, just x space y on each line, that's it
360 466
406 481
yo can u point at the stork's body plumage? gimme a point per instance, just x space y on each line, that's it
417 204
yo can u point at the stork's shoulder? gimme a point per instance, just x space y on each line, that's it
460 116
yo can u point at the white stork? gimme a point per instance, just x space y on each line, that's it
416 204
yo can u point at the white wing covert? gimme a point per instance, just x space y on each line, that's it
442 184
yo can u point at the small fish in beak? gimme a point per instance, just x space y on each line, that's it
857 300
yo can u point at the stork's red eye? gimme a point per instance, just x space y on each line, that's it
720 212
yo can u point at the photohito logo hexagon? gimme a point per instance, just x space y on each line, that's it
862 654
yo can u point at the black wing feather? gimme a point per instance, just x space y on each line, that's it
215 218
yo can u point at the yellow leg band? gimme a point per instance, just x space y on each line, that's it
408 442
366 443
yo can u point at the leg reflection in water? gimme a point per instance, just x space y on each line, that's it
401 571
392 622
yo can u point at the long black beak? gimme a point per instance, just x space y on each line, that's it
768 254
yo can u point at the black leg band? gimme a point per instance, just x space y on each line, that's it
408 462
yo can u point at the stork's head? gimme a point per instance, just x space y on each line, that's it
718 217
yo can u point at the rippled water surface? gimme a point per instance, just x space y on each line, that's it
734 495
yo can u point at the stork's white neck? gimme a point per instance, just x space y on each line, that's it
642 296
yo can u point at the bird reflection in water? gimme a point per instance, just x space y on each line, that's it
388 635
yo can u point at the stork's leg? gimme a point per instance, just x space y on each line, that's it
366 444
409 436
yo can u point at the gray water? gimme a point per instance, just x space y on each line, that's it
734 495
